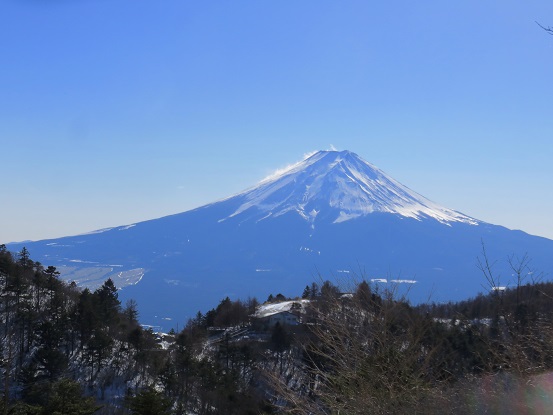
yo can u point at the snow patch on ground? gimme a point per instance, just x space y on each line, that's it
97 231
305 249
124 228
90 277
343 216
130 277
266 310
83 262
397 281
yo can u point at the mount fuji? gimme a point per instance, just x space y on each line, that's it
332 216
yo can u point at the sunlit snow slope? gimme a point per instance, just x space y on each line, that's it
343 187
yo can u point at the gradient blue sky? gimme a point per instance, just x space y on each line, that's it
116 111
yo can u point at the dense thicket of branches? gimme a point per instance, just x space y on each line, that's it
372 353
69 351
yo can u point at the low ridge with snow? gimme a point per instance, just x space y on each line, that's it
269 309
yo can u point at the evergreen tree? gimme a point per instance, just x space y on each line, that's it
88 319
314 292
66 398
108 304
131 311
24 258
149 402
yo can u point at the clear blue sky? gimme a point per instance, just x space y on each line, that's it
116 111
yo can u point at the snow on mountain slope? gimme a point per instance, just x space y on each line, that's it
342 183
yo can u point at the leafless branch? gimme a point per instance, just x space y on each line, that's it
484 265
548 29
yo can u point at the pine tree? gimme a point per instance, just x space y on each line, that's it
108 303
149 402
24 258
66 398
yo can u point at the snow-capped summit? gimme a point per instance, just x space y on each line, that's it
342 186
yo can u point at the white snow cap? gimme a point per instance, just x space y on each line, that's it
342 185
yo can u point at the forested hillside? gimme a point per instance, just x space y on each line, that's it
357 351
72 351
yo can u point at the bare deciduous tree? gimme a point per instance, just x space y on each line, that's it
367 356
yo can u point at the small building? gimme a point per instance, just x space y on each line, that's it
284 318
287 313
